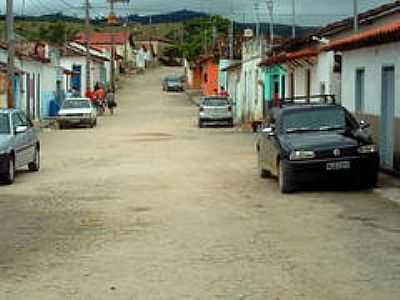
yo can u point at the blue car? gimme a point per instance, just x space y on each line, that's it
19 144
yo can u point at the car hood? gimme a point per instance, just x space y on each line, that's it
75 111
5 141
317 141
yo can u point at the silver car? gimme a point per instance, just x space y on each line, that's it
19 144
215 110
77 111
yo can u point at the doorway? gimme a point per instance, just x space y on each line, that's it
386 141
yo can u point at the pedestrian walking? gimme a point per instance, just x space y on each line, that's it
111 103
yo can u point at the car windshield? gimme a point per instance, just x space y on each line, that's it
314 120
215 102
76 104
4 124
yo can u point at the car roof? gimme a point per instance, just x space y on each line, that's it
278 111
77 99
8 110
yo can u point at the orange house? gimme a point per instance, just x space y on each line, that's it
209 75
197 76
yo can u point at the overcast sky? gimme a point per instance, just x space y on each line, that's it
310 12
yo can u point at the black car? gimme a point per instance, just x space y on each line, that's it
314 143
173 84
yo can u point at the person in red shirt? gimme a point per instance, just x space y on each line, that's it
223 92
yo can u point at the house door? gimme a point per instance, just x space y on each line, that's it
76 78
387 118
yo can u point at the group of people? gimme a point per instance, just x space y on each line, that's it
100 97
222 92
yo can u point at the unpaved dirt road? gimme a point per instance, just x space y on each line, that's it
147 206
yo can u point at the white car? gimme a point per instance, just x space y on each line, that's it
19 144
77 111
215 110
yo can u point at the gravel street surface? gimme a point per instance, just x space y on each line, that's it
148 206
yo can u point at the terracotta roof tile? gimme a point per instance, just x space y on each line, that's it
381 35
289 56
104 38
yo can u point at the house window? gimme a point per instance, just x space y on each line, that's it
359 91
292 85
308 84
283 87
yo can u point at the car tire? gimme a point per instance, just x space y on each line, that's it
201 124
9 177
231 123
369 180
34 166
284 184
262 173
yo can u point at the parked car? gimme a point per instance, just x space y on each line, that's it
215 110
312 143
19 144
173 83
77 111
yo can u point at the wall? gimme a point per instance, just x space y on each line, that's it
222 78
233 87
372 60
210 71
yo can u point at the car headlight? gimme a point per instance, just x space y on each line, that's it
302 155
368 149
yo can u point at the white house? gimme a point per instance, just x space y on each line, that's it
371 84
233 86
251 100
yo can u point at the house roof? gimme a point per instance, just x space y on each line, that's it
363 18
105 38
289 57
30 57
233 66
382 35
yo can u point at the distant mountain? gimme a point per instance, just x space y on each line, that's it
172 17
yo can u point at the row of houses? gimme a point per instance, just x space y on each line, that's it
45 73
361 69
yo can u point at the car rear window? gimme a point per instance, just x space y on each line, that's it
215 102
4 124
314 119
76 104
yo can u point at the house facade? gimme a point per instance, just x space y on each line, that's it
233 86
371 85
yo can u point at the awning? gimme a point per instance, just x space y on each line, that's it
294 58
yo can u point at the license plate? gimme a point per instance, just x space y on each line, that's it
341 165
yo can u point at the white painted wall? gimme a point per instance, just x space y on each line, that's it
372 59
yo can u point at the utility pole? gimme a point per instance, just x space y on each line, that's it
87 38
293 19
355 8
112 77
11 54
256 9
270 6
231 38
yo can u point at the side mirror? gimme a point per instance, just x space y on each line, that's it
21 129
364 124
268 131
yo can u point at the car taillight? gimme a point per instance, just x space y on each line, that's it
229 108
201 108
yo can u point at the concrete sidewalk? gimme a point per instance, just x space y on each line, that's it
194 95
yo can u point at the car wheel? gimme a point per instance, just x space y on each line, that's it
231 124
201 124
35 165
261 171
9 177
369 180
284 185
